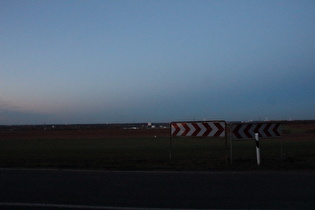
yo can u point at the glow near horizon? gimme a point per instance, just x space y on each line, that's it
135 61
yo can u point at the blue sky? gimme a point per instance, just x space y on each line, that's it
85 61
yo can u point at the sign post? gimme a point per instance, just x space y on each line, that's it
231 146
170 152
197 129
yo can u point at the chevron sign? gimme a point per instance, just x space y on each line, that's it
198 129
248 130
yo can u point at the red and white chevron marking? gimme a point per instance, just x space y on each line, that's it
198 129
248 130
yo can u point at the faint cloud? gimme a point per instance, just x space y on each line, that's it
13 114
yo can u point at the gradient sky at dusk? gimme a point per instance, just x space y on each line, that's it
82 61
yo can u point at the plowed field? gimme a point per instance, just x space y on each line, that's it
86 134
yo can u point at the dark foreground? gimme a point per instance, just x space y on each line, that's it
75 189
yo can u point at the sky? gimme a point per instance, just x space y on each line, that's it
125 61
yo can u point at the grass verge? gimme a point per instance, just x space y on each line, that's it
153 154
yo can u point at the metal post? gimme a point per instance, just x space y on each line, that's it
170 153
226 148
281 149
257 148
231 152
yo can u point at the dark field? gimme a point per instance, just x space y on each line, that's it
148 149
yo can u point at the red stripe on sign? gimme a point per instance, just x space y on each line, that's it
256 130
198 129
187 129
208 129
266 130
176 129
220 129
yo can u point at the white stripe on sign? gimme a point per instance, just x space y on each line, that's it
203 129
181 129
214 129
192 129
261 131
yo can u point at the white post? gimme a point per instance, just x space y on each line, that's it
257 148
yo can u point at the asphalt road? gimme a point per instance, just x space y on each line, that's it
75 189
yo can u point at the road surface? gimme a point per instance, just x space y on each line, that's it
79 189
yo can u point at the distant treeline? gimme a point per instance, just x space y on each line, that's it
82 126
